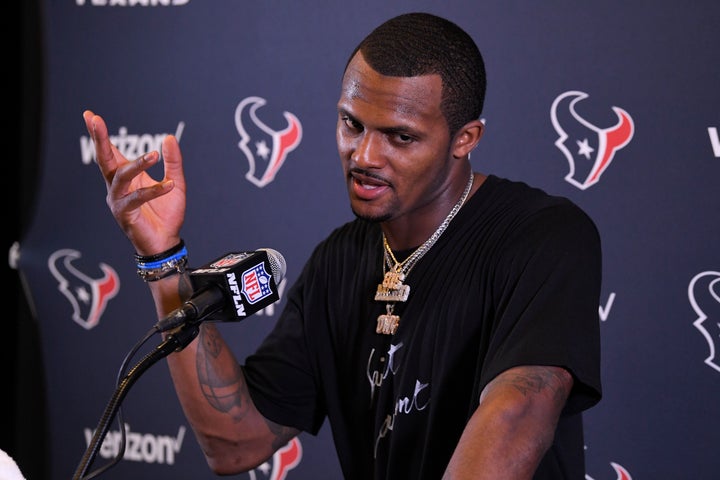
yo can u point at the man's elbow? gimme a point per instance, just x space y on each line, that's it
232 459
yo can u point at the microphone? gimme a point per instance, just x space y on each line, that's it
230 288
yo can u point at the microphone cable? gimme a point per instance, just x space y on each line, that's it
123 440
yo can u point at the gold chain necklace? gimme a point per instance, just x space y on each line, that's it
392 289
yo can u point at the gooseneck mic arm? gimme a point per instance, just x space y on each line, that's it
230 288
173 343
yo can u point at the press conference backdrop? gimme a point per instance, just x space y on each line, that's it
613 104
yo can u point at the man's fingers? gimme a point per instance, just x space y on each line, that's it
106 154
109 158
127 206
130 175
172 158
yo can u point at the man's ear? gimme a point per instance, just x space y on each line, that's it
467 138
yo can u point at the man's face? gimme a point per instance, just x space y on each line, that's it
393 141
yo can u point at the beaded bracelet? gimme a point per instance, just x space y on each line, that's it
156 267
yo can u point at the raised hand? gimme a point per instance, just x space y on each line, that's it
150 212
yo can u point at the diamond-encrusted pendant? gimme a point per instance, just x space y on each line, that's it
392 288
387 323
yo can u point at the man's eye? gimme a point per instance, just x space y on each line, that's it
402 138
352 124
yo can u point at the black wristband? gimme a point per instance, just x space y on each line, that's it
160 256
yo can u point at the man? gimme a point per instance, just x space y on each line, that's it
449 331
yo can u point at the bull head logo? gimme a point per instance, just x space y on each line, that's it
595 147
284 460
264 148
704 296
88 296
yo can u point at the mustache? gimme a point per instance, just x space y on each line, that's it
362 172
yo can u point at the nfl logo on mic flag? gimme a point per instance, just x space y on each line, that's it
247 275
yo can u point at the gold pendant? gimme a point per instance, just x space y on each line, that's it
392 288
387 323
393 279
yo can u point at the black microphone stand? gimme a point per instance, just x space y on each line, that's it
173 343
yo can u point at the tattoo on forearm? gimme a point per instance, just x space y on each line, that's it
211 342
185 289
225 391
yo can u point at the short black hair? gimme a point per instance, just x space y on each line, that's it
414 44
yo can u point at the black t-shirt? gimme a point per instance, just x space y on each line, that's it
514 280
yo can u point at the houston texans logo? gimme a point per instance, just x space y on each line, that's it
264 148
704 296
284 460
621 473
88 296
595 147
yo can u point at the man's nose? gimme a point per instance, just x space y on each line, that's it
368 151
